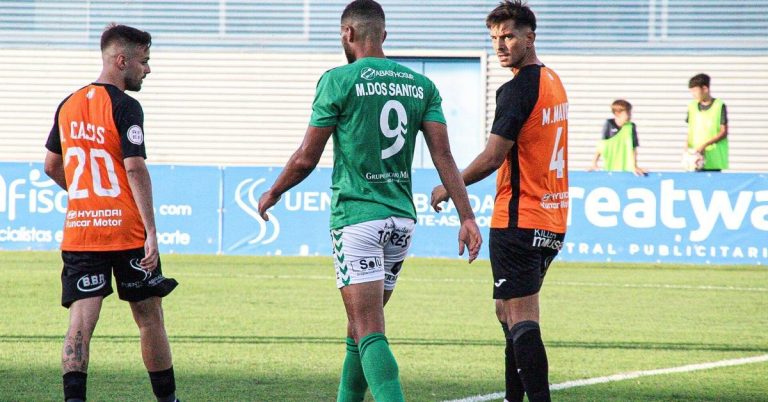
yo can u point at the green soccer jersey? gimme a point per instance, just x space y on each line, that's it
377 107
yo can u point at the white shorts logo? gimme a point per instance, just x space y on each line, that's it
136 264
91 283
135 135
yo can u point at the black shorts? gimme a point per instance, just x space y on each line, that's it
520 259
89 274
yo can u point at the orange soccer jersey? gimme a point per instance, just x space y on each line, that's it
532 183
94 130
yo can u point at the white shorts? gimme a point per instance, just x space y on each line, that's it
371 251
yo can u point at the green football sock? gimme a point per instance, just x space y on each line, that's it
380 368
353 385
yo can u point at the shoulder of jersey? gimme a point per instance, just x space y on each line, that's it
123 99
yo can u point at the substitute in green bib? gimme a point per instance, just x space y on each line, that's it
707 125
619 143
373 108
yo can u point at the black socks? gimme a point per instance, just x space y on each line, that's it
514 386
163 385
531 360
74 386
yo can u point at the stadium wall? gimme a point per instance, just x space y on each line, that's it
251 108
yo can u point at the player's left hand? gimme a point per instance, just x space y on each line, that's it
439 194
151 253
267 201
469 235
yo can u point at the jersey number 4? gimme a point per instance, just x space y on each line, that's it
95 154
557 162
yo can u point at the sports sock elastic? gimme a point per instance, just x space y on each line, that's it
163 385
513 384
74 385
531 359
380 368
352 386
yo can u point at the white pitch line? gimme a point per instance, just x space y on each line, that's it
628 376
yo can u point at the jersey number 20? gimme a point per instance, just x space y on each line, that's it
95 154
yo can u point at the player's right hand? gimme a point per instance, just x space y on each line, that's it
439 194
267 201
469 235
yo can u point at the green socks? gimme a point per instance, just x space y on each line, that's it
380 368
353 385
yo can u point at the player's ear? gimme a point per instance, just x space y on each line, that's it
383 38
121 61
349 30
530 38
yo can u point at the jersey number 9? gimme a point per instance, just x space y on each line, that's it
398 131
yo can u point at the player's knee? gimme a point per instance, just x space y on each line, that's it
83 324
147 313
364 329
500 315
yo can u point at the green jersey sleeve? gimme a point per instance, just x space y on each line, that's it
434 110
326 109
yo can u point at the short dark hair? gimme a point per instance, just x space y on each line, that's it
125 36
515 10
620 105
368 16
699 80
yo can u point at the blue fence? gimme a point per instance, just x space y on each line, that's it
665 217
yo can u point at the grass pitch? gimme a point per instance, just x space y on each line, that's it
272 329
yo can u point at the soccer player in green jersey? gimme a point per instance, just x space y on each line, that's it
373 108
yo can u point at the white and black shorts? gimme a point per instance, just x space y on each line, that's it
371 251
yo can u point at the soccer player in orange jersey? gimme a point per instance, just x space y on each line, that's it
528 147
96 152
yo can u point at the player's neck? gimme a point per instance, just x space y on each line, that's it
107 77
707 100
369 50
529 60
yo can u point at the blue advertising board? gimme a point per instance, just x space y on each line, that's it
297 225
187 208
186 200
702 218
